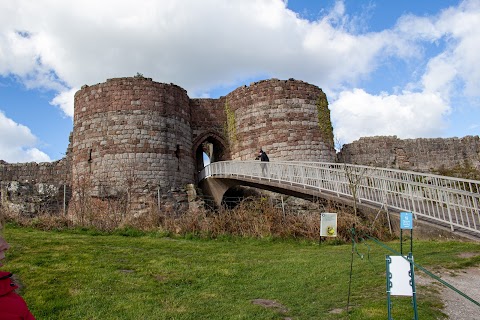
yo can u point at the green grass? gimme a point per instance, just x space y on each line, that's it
80 275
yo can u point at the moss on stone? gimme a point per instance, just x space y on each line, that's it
230 126
324 122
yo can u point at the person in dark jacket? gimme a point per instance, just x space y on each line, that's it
12 306
262 156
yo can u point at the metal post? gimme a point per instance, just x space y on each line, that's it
283 207
411 241
389 285
158 199
447 200
317 173
64 199
412 199
412 283
304 173
401 242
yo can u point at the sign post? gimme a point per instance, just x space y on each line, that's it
400 271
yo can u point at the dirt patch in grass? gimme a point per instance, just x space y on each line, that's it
466 255
271 304
465 280
456 306
336 311
160 278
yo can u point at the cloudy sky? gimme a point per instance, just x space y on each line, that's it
405 68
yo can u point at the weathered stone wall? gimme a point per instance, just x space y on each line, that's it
424 155
131 134
207 115
282 117
208 120
57 172
30 188
27 199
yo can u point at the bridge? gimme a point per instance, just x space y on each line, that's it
444 201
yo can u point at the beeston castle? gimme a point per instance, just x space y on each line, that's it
137 137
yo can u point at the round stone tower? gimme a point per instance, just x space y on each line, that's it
131 136
289 119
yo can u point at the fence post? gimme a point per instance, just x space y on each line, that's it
447 201
304 173
64 199
412 199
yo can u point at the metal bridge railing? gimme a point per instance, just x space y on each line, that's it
451 201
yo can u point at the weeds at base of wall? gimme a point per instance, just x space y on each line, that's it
249 219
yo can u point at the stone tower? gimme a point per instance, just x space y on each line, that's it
131 135
289 119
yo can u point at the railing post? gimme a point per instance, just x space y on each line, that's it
413 200
64 199
447 201
475 207
335 181
290 178
384 193
358 188
304 173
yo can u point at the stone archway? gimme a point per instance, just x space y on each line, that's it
214 146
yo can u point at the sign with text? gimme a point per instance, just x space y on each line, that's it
406 220
328 225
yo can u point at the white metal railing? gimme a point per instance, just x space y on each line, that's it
455 202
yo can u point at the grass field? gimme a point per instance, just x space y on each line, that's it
83 275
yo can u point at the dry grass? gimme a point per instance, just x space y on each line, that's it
252 218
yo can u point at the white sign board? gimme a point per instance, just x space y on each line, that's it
328 225
400 277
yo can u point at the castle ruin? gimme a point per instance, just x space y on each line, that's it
139 138
140 141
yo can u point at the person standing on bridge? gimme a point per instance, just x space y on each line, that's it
262 156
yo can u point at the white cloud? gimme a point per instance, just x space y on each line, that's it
17 143
195 44
64 100
423 109
408 115
201 45
457 67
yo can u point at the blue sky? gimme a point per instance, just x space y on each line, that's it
405 68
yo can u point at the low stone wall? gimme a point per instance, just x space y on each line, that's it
28 199
28 189
423 155
46 172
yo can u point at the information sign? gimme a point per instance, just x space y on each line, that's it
328 225
406 220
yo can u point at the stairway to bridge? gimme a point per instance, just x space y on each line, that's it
444 202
